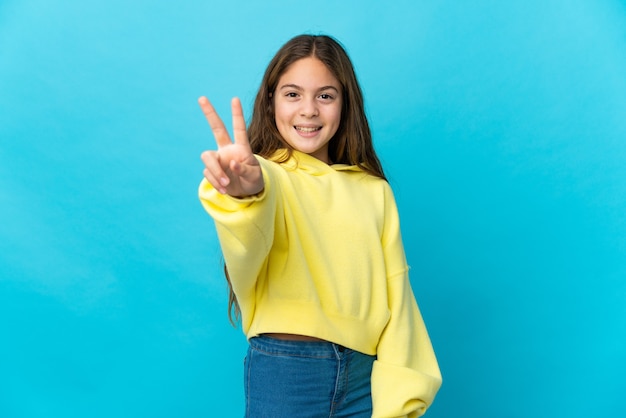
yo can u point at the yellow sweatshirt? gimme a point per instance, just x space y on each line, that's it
319 252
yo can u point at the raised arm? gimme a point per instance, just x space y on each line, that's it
231 169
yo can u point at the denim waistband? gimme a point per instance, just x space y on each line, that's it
312 349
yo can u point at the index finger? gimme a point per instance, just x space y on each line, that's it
239 123
217 126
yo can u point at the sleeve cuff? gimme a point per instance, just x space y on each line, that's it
400 391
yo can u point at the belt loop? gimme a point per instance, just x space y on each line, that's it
336 350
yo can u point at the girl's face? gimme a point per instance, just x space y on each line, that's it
307 105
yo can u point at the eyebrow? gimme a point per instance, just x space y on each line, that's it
297 87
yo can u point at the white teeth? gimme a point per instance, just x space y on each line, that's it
303 129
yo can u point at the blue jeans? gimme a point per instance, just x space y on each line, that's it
306 379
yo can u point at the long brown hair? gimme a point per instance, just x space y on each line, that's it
351 144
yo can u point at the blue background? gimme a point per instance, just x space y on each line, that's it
502 126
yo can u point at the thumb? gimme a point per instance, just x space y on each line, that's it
235 167
244 169
249 175
239 169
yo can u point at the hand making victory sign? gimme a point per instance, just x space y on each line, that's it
232 169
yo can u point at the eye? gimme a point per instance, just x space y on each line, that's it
291 94
326 96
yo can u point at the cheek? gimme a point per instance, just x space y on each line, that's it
336 117
281 116
282 121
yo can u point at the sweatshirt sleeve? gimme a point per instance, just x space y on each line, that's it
245 228
406 376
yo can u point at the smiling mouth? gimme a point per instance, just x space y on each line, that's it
307 130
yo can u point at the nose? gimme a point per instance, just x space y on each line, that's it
309 108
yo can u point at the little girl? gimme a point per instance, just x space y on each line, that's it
310 234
